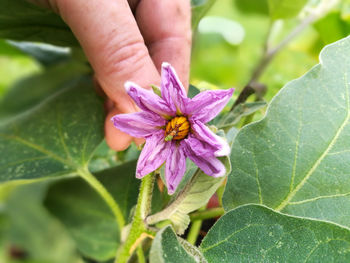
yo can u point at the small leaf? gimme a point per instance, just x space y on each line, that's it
156 90
46 54
87 217
21 20
255 233
166 248
192 91
296 160
197 191
55 138
199 9
241 110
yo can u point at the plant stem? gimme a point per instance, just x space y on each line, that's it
194 231
140 254
207 214
103 192
138 230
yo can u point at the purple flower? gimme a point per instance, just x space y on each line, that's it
174 128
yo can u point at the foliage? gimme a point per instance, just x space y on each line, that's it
66 197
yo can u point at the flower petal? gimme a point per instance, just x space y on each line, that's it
175 167
172 89
202 132
147 100
207 104
209 165
201 148
153 154
139 124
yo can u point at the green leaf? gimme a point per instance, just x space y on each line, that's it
296 160
252 6
285 8
167 248
241 110
20 20
55 138
199 9
255 233
193 193
14 65
85 214
44 53
192 91
30 91
332 27
33 230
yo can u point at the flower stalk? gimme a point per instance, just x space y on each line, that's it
138 231
106 196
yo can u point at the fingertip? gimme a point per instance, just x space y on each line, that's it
116 139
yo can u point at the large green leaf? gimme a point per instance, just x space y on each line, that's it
285 8
32 230
21 20
57 137
168 248
85 214
257 234
30 91
296 159
14 65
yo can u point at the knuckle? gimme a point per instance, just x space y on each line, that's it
121 57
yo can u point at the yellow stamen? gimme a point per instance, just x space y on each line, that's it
177 128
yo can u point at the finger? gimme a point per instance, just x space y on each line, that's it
110 37
116 139
167 33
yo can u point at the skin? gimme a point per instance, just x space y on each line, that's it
128 41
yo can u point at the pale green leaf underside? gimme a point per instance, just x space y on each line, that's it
255 233
197 191
167 249
54 138
297 159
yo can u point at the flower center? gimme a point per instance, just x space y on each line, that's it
177 128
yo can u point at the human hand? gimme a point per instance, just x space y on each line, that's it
128 41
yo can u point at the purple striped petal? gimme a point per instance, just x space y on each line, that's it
175 167
147 100
172 89
209 165
200 147
207 104
203 133
139 124
153 155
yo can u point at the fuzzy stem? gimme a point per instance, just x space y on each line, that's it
194 231
106 196
207 214
138 230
